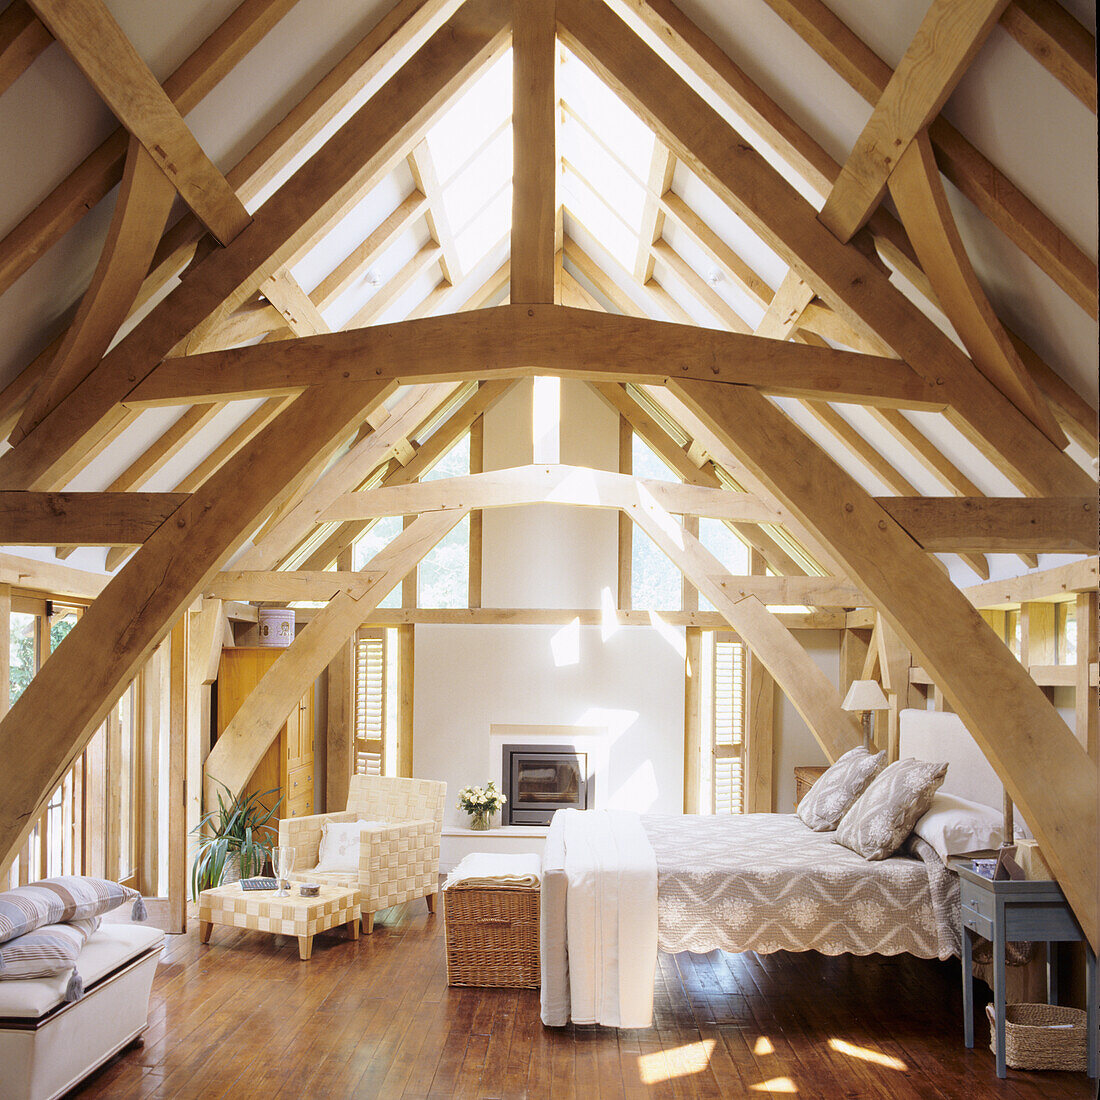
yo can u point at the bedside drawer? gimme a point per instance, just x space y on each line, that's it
977 922
981 901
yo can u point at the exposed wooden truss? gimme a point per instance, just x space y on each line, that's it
322 384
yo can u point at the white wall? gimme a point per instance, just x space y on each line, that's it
471 677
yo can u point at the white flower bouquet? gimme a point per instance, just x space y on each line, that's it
480 803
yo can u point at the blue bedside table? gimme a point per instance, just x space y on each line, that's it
1018 910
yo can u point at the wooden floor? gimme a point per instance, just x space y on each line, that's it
244 1017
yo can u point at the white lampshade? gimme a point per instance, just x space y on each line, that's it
865 695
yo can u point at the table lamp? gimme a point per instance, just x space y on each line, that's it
865 696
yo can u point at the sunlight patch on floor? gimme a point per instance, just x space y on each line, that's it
776 1084
885 1060
663 1065
763 1046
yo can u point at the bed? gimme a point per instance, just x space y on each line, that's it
618 887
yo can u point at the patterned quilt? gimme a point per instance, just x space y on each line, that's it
765 882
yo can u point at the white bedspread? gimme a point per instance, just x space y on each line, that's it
600 874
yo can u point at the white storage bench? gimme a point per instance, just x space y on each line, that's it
47 1046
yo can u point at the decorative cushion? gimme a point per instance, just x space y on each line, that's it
61 900
48 950
884 815
832 796
954 825
340 842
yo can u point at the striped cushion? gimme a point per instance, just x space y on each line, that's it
58 901
51 949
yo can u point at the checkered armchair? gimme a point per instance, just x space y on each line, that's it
398 861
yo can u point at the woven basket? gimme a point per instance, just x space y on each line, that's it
492 936
1032 1043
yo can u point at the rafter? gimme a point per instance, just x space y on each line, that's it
102 169
1058 42
945 43
83 519
535 149
144 200
918 193
841 275
382 131
114 68
426 181
979 180
22 38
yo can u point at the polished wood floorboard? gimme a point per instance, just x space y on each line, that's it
243 1017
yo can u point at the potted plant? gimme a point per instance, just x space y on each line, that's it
480 803
235 840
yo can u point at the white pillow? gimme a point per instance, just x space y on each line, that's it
339 849
954 825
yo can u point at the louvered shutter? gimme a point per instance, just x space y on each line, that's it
729 727
370 705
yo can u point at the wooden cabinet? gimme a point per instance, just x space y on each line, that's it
288 764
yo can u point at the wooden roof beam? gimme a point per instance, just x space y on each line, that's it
535 150
918 193
114 68
945 43
102 169
842 276
1058 42
439 226
997 525
978 179
382 131
22 38
83 519
144 201
513 341
1009 717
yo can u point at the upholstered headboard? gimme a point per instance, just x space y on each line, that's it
935 735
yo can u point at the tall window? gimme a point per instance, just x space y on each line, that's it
443 579
728 718
655 583
370 704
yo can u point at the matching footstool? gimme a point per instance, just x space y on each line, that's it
262 911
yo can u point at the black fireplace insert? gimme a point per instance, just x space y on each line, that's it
539 779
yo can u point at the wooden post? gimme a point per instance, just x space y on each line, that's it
693 719
1088 703
1038 637
626 524
406 647
5 689
760 790
177 778
477 466
149 833
689 594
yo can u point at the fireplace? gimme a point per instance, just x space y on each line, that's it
539 779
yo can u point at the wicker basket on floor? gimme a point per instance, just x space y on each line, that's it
1036 1036
492 936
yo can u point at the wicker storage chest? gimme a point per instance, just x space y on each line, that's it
492 936
1043 1036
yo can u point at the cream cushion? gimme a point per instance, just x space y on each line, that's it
884 815
832 796
106 949
340 845
955 826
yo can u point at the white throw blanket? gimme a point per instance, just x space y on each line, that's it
491 869
606 930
